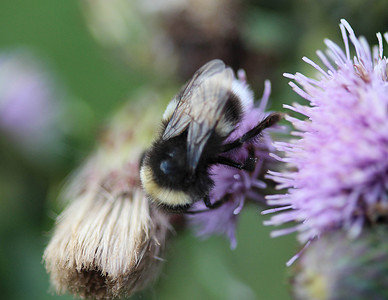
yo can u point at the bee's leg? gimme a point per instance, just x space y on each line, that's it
216 204
209 205
248 165
272 119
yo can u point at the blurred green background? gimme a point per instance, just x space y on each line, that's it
92 57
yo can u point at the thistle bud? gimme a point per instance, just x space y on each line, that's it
339 267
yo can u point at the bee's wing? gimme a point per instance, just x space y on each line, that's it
207 108
181 117
200 106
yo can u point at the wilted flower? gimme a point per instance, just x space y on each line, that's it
233 185
170 37
338 166
175 37
109 241
30 103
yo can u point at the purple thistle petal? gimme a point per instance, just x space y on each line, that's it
340 150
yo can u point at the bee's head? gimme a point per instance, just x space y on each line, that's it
168 161
164 173
172 164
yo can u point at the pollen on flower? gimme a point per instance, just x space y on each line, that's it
337 174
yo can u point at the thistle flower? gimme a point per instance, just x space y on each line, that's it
109 241
236 185
338 267
30 103
338 167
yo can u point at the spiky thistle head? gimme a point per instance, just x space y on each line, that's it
338 167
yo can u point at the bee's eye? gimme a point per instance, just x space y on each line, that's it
172 162
167 166
172 153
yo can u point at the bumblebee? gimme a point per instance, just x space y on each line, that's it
196 124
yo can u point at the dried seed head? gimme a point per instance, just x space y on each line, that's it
109 241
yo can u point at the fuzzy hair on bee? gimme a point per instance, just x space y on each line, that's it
175 170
